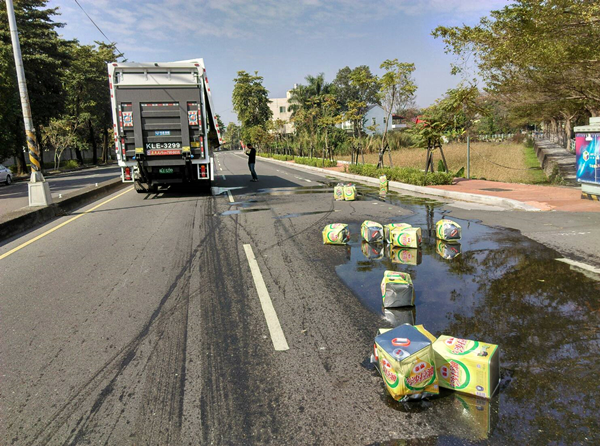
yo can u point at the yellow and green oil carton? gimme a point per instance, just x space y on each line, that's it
338 192
448 230
466 366
397 289
387 229
371 231
405 359
336 234
406 237
383 184
349 192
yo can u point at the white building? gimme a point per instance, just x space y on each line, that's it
375 117
281 110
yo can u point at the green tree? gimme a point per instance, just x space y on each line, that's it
232 135
397 90
60 134
87 99
251 103
45 55
307 108
539 58
355 90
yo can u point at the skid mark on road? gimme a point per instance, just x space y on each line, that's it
158 353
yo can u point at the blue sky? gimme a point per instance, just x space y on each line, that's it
284 40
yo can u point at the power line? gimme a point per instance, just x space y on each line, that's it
97 27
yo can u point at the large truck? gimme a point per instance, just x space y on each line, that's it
165 127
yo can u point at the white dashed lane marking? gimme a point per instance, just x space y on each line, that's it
277 335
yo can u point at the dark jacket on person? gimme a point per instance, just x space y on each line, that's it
251 156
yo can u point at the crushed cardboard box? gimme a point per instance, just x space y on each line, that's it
336 234
388 228
447 230
407 237
397 289
371 231
405 359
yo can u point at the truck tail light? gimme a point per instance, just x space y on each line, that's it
203 171
128 173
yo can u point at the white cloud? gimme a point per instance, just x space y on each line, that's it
156 20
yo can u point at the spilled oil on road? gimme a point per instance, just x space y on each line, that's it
495 286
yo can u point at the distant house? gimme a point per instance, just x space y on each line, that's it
281 110
375 116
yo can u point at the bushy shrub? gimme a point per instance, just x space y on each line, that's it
407 175
71 164
276 156
315 162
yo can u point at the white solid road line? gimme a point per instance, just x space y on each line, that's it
277 335
230 196
581 265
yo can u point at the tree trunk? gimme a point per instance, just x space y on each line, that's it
21 163
79 155
389 151
93 142
443 158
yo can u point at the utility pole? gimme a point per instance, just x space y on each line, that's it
39 190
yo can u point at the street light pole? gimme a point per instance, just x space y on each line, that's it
39 190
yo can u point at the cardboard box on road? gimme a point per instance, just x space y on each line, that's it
406 362
467 366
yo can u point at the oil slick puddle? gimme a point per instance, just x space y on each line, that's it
500 287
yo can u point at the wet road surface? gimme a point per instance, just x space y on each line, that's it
142 324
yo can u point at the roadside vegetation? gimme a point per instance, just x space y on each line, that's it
507 162
68 89
539 65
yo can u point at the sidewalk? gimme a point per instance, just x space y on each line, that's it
545 198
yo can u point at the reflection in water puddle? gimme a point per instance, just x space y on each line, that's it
222 190
245 203
295 190
243 211
500 287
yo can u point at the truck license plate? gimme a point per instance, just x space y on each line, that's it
165 170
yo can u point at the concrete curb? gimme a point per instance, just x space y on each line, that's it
55 173
397 186
21 220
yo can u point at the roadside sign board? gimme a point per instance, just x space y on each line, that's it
587 152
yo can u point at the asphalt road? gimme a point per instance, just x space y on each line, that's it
139 322
15 196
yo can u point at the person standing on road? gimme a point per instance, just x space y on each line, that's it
251 152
